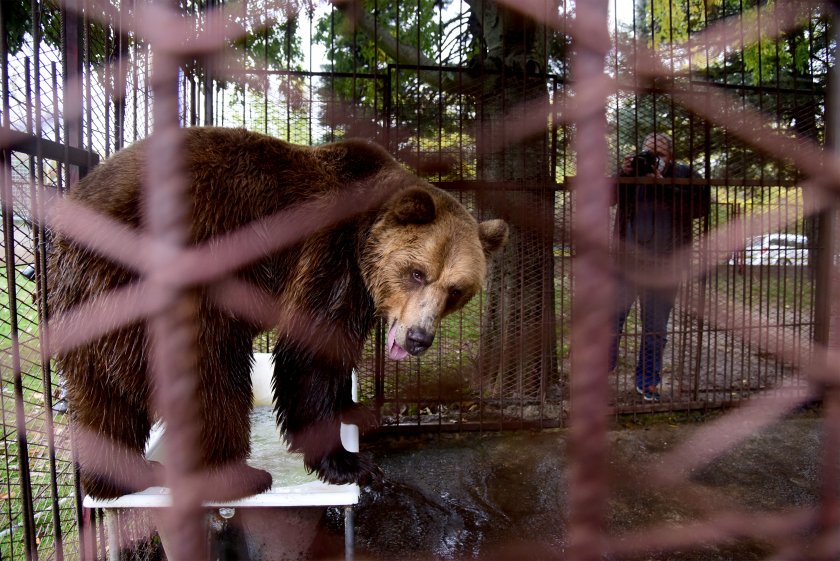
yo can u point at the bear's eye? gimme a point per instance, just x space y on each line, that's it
418 276
455 293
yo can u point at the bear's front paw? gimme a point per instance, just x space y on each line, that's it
361 416
343 467
235 481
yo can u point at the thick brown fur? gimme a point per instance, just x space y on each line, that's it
412 256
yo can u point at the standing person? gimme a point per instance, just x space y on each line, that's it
652 220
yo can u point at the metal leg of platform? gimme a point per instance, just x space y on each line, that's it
349 540
112 528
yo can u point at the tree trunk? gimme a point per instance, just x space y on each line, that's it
518 338
804 111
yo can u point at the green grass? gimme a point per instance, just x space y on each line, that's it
774 288
23 351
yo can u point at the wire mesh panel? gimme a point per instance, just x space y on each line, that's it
38 468
38 473
510 107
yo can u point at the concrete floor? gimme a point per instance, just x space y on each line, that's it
503 496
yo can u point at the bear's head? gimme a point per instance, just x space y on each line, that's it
425 258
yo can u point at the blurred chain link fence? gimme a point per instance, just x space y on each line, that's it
741 88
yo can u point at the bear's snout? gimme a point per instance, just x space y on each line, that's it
418 340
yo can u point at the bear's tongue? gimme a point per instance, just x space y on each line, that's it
395 351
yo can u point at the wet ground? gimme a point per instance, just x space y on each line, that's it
503 495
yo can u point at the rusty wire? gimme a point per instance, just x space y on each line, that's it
169 268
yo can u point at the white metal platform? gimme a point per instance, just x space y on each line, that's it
281 495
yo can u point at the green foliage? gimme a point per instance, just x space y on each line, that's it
276 111
270 45
671 21
18 20
273 43
784 58
417 105
795 61
766 60
415 25
100 43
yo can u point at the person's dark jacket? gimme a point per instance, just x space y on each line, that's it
658 216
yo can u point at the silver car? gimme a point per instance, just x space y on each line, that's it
774 249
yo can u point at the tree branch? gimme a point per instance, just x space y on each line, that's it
449 82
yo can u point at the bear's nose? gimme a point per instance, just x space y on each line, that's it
418 340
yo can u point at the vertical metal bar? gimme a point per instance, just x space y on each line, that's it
109 91
704 280
36 185
146 85
30 537
193 104
825 255
379 368
120 85
72 114
41 247
266 77
113 534
208 82
829 509
349 536
172 331
553 119
135 82
593 299
89 536
88 96
100 533
388 109
20 415
380 347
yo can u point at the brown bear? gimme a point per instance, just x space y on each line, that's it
411 256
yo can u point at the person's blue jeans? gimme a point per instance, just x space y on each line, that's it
655 308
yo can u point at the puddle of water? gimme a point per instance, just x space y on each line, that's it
268 451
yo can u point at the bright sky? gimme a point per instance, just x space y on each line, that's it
623 9
314 55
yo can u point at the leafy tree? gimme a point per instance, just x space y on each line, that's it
371 39
265 46
785 75
17 19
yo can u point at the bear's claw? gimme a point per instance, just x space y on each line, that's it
344 467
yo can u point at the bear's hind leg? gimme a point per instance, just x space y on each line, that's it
110 440
225 397
225 444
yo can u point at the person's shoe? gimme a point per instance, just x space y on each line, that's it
648 394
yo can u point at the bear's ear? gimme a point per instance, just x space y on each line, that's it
493 235
414 206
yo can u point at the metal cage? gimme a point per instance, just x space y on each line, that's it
522 110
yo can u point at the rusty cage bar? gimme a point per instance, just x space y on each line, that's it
741 87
